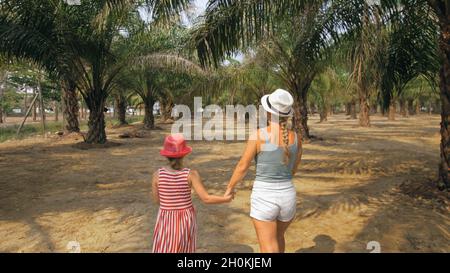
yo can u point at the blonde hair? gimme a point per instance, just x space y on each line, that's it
285 131
176 163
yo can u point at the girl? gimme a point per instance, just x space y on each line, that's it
176 227
277 152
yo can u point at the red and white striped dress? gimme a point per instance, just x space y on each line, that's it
176 225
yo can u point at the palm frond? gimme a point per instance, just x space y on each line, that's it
167 61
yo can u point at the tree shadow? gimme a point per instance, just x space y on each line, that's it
108 190
323 244
42 179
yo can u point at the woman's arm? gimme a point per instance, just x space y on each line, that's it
155 188
196 182
244 163
299 154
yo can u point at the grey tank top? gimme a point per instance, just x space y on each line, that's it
270 166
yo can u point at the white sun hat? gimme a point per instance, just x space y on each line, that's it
278 103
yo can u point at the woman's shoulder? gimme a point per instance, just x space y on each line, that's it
193 172
253 135
257 134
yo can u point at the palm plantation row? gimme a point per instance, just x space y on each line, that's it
331 55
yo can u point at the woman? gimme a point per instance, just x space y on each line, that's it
277 151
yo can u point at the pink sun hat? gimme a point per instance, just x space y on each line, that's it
175 146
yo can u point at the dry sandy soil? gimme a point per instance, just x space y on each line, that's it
354 186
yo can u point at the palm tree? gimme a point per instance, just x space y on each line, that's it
441 16
76 42
291 53
441 9
121 97
362 47
411 51
328 89
158 55
27 30
3 77
230 25
296 46
418 91
238 82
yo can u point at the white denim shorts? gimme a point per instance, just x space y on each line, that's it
272 201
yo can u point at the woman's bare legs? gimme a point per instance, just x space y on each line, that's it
267 236
281 229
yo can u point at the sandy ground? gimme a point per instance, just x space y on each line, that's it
354 186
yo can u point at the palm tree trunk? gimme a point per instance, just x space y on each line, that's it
391 115
436 106
374 108
120 109
1 98
364 119
82 112
166 109
70 102
353 109
41 104
149 118
56 110
411 107
348 107
403 110
323 114
312 108
364 107
382 109
96 123
441 9
25 97
417 110
301 111
34 106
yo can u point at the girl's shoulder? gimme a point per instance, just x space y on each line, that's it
193 172
170 171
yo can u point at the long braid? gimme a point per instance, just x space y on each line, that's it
285 131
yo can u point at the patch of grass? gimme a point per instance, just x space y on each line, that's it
9 132
32 129
129 119
133 119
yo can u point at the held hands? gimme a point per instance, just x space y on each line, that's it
229 194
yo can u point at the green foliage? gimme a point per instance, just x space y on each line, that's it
412 49
421 89
9 99
31 129
328 89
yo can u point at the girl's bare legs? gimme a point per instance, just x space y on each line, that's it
267 236
281 229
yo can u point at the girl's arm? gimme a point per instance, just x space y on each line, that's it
196 182
155 188
242 167
299 154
